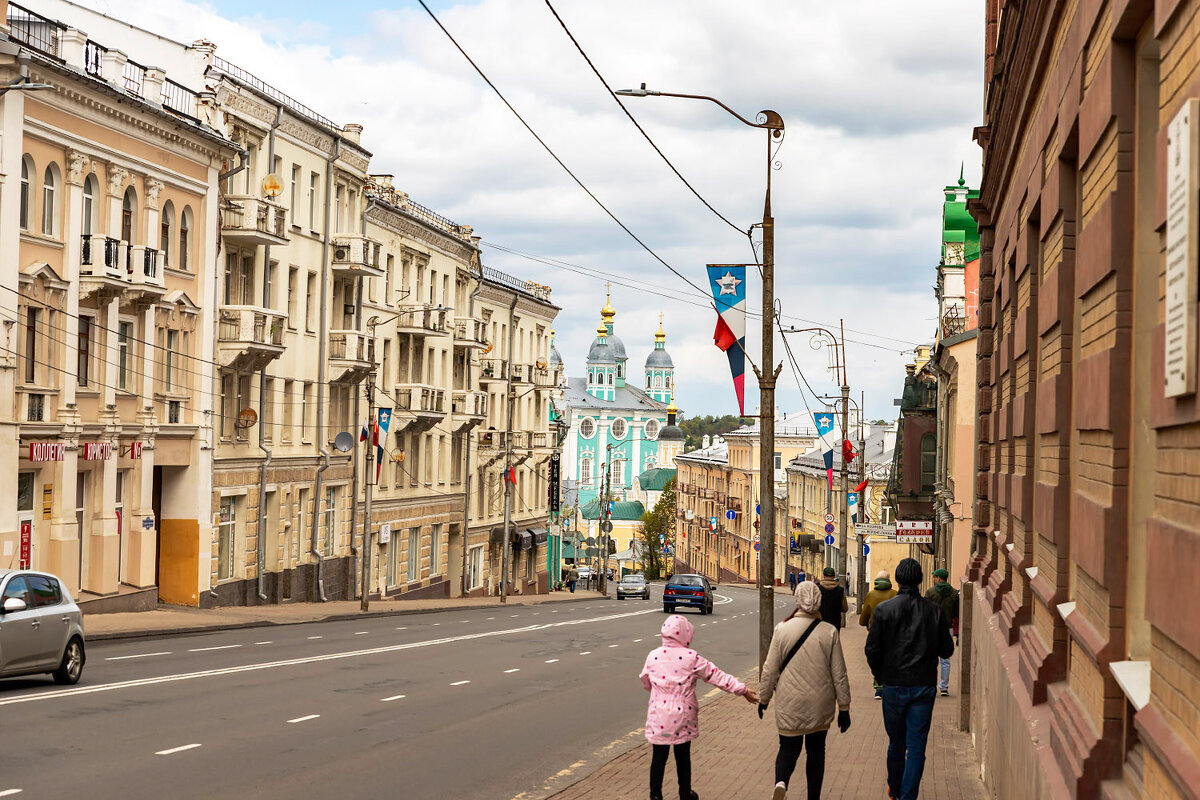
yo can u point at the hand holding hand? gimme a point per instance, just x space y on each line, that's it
843 721
751 696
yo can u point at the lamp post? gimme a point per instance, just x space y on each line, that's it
772 123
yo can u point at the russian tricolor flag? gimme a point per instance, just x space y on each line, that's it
728 285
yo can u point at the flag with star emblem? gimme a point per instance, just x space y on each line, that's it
728 284
825 434
383 421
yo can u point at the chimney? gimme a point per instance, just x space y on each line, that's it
352 132
706 441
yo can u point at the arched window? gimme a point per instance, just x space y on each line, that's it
49 199
26 191
165 226
185 242
91 220
129 215
647 381
651 429
668 381
610 379
928 461
658 381
620 370
585 471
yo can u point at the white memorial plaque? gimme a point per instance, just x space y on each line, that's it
1179 351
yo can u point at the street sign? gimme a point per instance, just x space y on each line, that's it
829 539
731 514
875 529
829 517
147 522
757 546
915 531
662 537
757 538
829 527
757 506
554 484
606 527
866 549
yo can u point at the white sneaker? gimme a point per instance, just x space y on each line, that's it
780 792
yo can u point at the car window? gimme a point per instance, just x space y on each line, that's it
45 591
16 588
687 580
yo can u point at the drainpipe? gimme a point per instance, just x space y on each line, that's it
262 391
322 344
467 446
357 419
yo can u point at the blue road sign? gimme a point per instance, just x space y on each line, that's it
757 506
829 527
757 545
866 549
731 514
829 539
147 522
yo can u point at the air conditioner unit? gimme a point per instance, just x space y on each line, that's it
341 253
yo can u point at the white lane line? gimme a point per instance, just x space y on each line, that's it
551 660
139 655
8 792
586 653
303 719
314 637
361 633
402 628
293 662
465 621
554 611
514 615
510 671
491 617
459 683
436 624
264 643
174 750
614 645
637 640
218 647
393 697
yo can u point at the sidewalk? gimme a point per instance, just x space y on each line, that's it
734 758
173 620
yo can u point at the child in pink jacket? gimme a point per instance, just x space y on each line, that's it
670 676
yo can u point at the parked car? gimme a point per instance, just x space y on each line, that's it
585 572
633 586
41 628
692 591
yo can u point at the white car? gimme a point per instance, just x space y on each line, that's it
41 628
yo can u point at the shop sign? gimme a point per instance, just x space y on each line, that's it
46 451
918 531
48 501
26 543
135 449
97 451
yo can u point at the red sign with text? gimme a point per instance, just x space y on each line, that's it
26 543
46 451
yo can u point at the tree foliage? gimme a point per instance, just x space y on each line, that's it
697 428
659 520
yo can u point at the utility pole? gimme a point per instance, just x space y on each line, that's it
842 563
862 504
605 516
365 600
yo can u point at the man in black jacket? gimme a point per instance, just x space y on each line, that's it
908 635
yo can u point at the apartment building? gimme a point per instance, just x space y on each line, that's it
109 202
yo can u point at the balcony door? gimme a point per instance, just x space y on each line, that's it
239 279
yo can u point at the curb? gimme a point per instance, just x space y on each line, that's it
190 630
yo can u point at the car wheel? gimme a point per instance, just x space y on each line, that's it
668 609
71 668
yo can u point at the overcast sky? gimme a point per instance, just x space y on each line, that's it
879 99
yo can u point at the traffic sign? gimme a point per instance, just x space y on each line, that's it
829 517
757 538
875 529
606 527
866 549
757 545
757 506
731 514
829 527
829 539
915 531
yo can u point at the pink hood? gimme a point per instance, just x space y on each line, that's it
677 631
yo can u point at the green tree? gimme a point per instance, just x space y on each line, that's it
658 521
696 428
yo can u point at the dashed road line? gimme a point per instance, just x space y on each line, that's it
551 660
314 637
139 655
10 792
173 750
459 683
402 628
264 643
393 697
614 645
361 633
510 671
218 647
304 719
586 653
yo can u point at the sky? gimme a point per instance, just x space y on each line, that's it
879 99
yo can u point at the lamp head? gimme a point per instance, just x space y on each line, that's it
642 92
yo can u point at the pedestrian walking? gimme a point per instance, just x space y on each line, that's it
907 637
572 578
946 596
882 590
805 672
672 718
792 580
833 598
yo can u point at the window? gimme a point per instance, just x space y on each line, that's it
171 360
312 200
928 461
226 531
779 461
585 471
619 428
26 192
435 550
288 399
294 206
164 231
310 306
185 226
17 589
475 567
658 381
647 381
387 280
330 521
243 401
393 559
124 333
226 391
268 410
268 300
91 219
305 405
129 216
85 350
414 555
31 326
49 196
652 429
616 472
293 281
587 427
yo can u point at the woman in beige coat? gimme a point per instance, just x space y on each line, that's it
810 691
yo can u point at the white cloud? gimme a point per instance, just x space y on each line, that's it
879 98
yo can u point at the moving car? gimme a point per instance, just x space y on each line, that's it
693 591
41 628
633 586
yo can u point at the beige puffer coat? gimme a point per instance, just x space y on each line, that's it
815 686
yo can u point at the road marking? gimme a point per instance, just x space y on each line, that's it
514 615
264 643
555 611
459 683
8 792
218 647
514 669
551 660
314 637
614 645
304 719
637 640
465 621
139 655
586 653
293 662
491 617
402 628
174 750
436 624
361 633
393 697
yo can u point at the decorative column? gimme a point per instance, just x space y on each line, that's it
117 176
103 543
141 531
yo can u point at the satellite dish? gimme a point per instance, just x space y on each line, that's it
271 186
246 418
343 442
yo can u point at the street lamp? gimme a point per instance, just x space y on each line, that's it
772 123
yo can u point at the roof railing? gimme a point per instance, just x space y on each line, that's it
252 82
35 31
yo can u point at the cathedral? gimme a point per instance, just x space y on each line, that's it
614 422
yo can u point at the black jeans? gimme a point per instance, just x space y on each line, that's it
683 768
814 767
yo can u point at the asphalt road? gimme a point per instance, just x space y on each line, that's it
482 704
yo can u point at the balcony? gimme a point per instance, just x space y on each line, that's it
146 267
252 221
469 406
351 356
470 333
355 254
493 370
249 337
543 378
111 265
418 407
422 320
541 440
492 440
